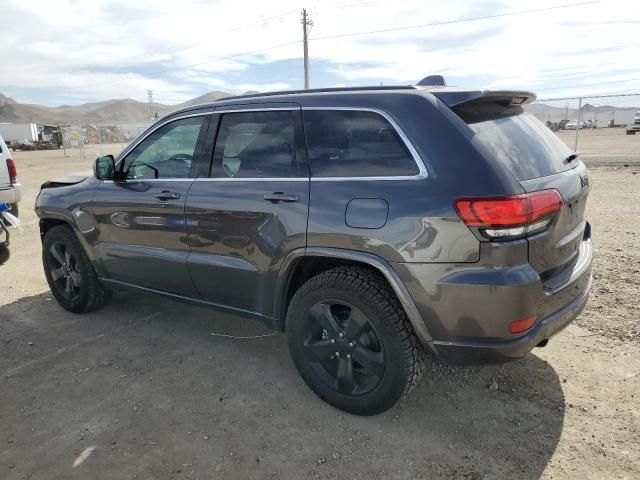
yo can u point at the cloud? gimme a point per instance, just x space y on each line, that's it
87 51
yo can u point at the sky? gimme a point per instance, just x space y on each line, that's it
77 51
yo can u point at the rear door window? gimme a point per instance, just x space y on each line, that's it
256 145
527 147
354 143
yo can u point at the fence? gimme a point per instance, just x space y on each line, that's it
575 114
76 139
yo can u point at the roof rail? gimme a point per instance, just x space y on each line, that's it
320 90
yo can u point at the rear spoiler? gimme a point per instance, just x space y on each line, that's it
481 105
454 98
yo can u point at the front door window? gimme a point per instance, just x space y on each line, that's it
166 153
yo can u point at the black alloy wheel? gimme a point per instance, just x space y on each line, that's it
64 270
343 347
70 274
351 341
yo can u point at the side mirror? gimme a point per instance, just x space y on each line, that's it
104 167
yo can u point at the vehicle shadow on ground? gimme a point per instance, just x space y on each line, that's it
144 387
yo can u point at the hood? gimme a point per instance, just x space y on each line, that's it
65 180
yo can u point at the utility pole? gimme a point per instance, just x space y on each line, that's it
305 41
575 146
150 100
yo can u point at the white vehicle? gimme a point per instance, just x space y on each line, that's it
10 189
573 125
635 126
19 132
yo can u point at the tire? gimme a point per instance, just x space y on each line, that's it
5 254
71 277
354 311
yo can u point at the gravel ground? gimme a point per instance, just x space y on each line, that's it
142 389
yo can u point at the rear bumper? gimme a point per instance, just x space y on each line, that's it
11 194
467 309
473 353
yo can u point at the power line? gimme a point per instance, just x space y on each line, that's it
450 22
609 95
590 84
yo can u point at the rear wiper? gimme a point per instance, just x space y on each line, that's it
572 157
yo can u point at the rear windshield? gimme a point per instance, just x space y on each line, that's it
527 147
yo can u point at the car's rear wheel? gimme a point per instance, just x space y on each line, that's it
351 341
71 277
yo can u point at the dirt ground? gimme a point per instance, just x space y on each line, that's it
142 389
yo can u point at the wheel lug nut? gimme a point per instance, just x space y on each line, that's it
351 344
348 355
333 340
341 335
337 354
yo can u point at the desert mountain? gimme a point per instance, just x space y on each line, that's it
5 100
132 111
206 98
124 110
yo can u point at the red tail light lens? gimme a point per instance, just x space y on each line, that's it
13 173
509 216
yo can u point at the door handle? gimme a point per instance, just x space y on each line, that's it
279 197
167 195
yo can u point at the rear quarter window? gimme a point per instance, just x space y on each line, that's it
354 143
524 145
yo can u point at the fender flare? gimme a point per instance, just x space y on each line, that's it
69 219
286 273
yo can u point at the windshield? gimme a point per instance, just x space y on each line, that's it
524 145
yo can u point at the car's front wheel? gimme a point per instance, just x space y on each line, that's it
351 341
71 277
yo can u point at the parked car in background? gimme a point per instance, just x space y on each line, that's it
23 145
572 125
10 189
10 193
635 126
373 225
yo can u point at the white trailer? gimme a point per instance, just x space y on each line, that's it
19 132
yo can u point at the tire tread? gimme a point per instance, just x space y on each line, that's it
97 294
372 285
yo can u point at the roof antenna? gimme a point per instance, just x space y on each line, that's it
432 81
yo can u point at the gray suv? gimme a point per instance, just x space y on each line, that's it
377 227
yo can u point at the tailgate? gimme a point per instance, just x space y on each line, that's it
558 246
538 160
4 170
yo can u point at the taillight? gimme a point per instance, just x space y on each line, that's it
13 173
510 216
